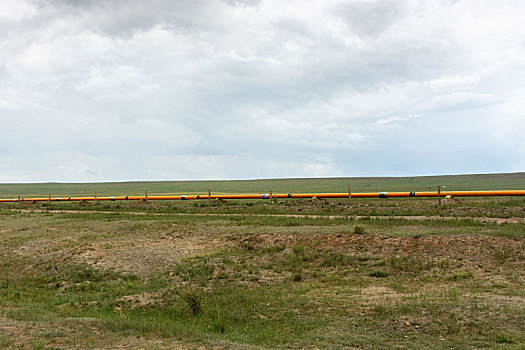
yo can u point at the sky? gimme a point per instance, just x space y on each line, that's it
119 90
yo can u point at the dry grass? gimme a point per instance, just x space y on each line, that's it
106 280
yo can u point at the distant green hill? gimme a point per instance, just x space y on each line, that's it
358 184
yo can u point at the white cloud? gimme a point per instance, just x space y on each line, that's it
217 88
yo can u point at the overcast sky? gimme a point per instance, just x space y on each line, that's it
108 90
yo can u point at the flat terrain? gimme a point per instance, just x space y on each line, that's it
388 273
513 181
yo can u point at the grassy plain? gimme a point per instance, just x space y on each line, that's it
358 184
369 274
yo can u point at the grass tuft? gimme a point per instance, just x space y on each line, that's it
359 229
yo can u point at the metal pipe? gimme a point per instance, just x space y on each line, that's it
279 195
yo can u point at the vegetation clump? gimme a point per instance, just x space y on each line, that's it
359 229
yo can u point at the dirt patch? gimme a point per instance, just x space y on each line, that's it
144 255
379 292
136 254
514 301
77 332
141 300
262 241
513 220
471 248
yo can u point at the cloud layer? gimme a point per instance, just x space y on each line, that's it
99 90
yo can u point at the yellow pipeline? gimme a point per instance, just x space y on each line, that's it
280 195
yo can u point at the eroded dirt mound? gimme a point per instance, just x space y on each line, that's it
144 255
139 255
462 247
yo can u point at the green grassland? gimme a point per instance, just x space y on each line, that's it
364 184
332 274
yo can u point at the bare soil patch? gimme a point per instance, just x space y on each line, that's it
499 220
135 254
467 248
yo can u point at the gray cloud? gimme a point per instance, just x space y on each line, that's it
120 90
370 18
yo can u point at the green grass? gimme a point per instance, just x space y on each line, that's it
358 184
114 279
239 306
501 207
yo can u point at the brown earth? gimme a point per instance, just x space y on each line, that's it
514 220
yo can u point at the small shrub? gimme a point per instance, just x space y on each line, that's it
398 286
331 259
409 263
363 257
443 264
379 263
502 255
193 299
248 246
297 277
298 249
359 229
504 339
218 325
378 273
4 284
463 275
130 277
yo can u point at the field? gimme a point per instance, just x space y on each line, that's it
377 273
512 181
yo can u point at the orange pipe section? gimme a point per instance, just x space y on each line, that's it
281 195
